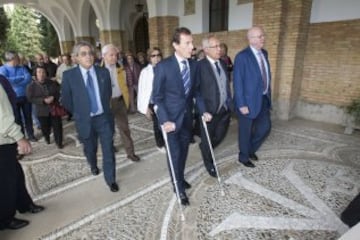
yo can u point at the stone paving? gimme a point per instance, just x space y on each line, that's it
307 174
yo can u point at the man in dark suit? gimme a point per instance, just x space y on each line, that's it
173 100
215 99
86 93
252 95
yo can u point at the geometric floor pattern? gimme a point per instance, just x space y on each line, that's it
305 177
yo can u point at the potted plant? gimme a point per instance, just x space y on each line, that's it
354 111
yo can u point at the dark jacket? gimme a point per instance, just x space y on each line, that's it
36 92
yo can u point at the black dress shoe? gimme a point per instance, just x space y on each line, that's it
32 139
60 146
184 199
16 224
187 185
253 156
248 164
114 187
33 208
95 171
133 158
212 172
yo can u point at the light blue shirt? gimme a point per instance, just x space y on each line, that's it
96 86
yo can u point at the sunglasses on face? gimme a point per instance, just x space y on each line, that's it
155 55
83 54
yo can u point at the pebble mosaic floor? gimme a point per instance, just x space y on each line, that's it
304 179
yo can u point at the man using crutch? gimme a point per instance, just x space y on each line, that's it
215 99
173 99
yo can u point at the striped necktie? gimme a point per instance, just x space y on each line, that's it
185 73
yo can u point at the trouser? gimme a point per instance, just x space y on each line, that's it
14 195
102 128
157 131
55 123
217 128
253 132
24 111
119 111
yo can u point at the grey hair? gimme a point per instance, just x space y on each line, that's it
76 48
205 42
10 55
107 48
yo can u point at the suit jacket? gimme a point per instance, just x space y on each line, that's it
248 83
208 94
74 97
169 93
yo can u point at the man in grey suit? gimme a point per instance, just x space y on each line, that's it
86 93
215 99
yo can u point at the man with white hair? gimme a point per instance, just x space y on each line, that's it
120 98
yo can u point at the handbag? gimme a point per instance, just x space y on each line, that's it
56 110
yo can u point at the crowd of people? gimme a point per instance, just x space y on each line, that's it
176 93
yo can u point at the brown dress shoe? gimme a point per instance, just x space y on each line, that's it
133 158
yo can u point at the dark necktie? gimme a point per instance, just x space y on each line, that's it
263 71
217 67
185 73
91 92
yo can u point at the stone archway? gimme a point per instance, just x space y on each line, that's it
141 34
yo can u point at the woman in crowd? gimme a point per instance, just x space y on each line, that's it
45 93
144 103
132 70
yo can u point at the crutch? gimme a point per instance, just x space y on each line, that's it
172 172
212 155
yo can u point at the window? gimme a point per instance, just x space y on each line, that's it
219 14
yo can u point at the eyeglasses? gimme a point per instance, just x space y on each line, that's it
83 54
155 55
215 46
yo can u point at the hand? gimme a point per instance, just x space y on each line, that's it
207 117
49 99
169 126
149 114
244 110
24 146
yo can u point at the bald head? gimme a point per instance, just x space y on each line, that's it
256 37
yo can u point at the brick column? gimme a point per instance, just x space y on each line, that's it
161 30
67 46
112 36
286 24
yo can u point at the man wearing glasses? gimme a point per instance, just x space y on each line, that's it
252 96
86 93
215 99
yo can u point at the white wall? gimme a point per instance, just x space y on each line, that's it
334 10
197 22
240 16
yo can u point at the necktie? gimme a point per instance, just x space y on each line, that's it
185 73
263 70
217 67
91 92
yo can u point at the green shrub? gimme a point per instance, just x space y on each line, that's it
354 110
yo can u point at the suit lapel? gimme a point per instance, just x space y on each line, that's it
177 69
255 62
